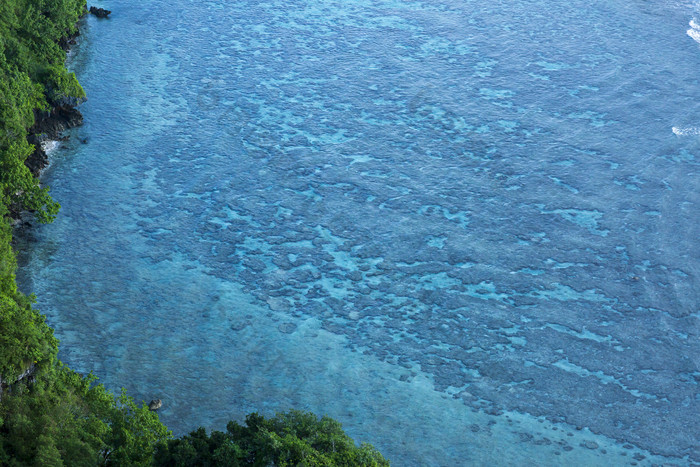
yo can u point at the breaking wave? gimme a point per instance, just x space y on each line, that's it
686 131
694 30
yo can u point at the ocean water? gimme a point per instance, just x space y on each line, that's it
467 230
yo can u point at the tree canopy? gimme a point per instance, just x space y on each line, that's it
32 77
294 438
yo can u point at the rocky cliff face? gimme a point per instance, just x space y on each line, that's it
50 126
28 375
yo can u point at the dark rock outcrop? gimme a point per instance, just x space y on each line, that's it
155 404
66 42
55 122
99 12
49 126
28 374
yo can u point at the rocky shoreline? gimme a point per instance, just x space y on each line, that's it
50 125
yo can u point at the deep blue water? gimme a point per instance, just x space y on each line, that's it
464 229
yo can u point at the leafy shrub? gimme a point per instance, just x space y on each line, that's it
294 438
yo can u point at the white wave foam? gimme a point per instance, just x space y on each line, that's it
49 146
694 31
695 34
686 131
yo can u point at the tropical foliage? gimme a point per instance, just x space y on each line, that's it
32 77
49 415
294 438
63 418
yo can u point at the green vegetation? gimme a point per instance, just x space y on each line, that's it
289 439
29 57
32 77
49 414
63 418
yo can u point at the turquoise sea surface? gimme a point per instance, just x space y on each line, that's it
467 230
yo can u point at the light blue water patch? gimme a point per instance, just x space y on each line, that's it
548 66
532 272
461 228
605 379
436 242
581 217
584 334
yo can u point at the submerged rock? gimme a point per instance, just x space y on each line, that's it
287 328
589 444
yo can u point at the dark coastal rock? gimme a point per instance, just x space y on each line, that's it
37 160
53 123
155 404
99 12
67 102
49 126
66 42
